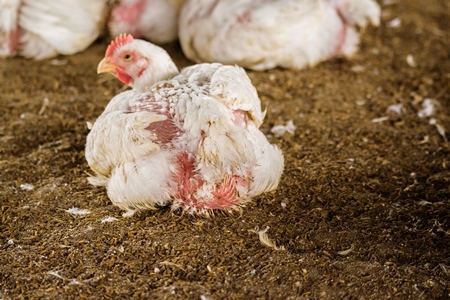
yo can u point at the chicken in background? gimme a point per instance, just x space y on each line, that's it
187 139
154 20
264 34
42 29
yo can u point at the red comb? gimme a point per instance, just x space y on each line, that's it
119 41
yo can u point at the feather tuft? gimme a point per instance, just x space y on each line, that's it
122 39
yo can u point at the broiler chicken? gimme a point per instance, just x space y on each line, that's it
42 29
263 34
187 139
154 20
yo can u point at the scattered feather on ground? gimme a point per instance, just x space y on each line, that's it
26 187
265 240
280 130
108 219
77 211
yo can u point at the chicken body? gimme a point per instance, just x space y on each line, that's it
44 28
264 34
191 141
154 20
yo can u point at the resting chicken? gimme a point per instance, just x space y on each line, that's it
154 20
187 139
42 29
263 34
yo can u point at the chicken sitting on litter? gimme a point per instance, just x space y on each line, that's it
154 20
187 139
264 34
42 29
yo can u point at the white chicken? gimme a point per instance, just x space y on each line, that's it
263 34
188 139
44 28
154 20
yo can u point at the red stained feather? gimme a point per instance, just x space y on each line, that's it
122 39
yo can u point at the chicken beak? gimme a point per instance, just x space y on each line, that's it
105 66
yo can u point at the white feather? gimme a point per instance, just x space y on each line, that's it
120 136
145 183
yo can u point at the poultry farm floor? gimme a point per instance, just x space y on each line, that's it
362 210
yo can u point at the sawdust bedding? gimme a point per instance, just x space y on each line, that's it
362 210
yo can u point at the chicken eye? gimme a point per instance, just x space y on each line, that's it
127 57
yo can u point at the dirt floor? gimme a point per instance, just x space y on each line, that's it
362 209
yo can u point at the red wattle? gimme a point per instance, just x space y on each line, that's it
125 78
